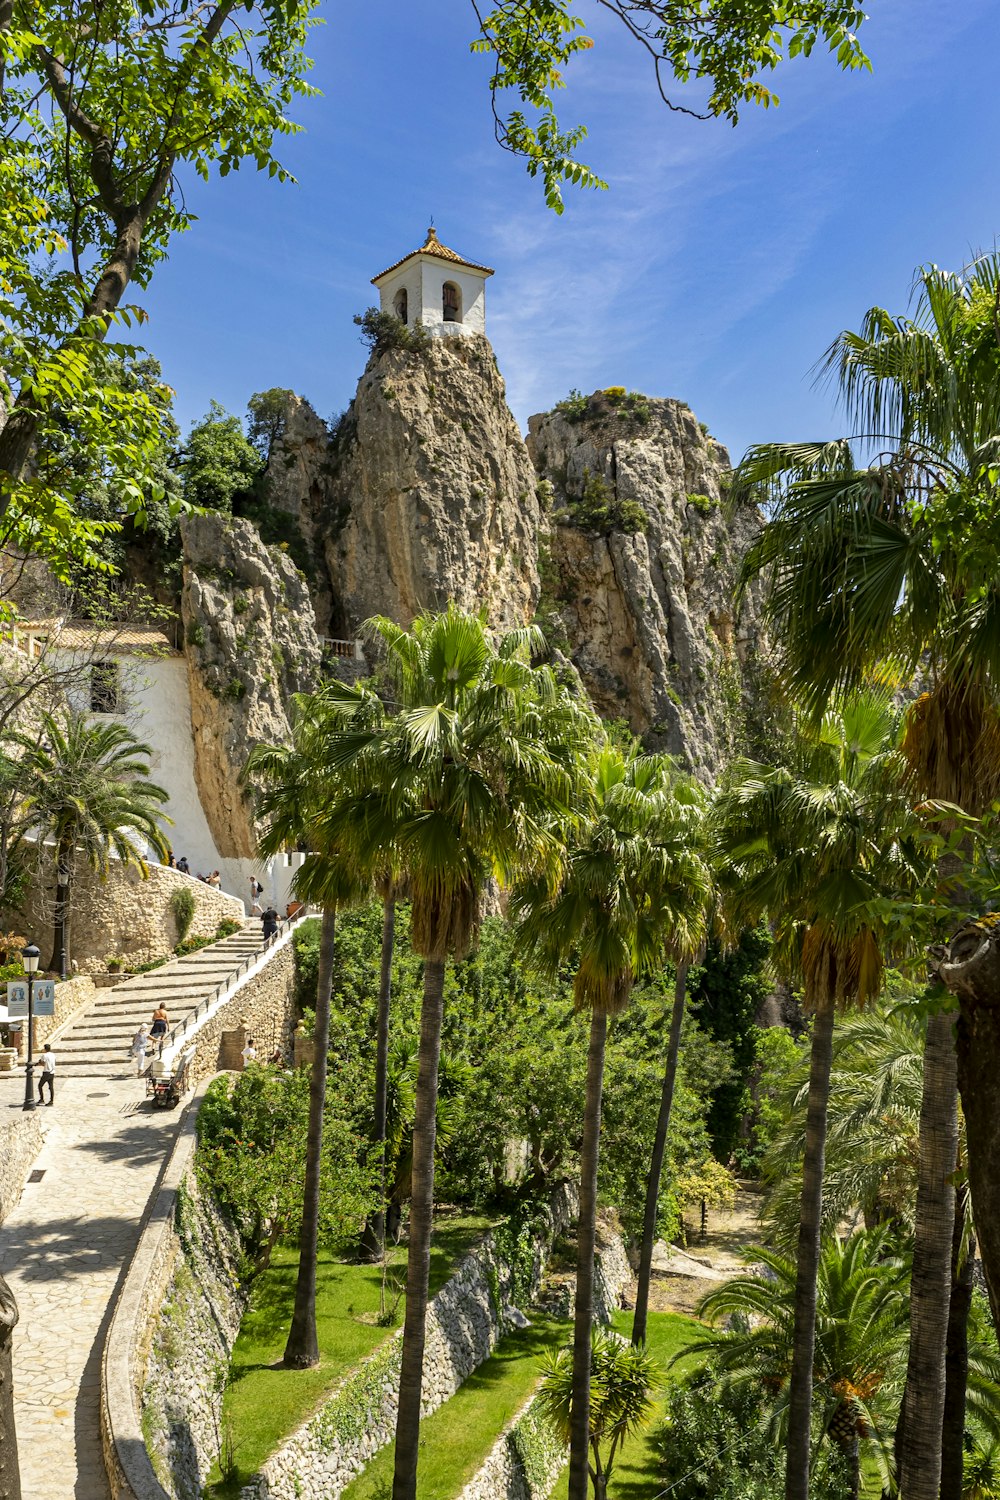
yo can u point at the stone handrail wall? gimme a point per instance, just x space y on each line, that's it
524 1462
265 991
20 1143
465 1321
261 1000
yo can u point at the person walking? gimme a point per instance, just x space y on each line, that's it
183 866
269 924
48 1073
140 1044
256 910
160 1021
249 1053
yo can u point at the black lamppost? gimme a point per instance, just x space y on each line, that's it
29 962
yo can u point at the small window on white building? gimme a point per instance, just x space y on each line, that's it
105 688
400 304
451 301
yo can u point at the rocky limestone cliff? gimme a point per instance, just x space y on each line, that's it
424 493
250 641
640 571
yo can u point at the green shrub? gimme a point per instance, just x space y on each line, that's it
195 633
703 504
182 906
573 406
227 927
235 688
597 509
716 1445
383 330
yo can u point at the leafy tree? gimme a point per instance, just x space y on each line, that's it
466 780
728 989
267 413
634 887
108 109
891 562
622 1381
86 787
220 462
823 846
252 1137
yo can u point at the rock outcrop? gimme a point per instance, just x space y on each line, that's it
425 492
250 641
639 577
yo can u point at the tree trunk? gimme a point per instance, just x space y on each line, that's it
60 961
656 1159
586 1240
10 1475
800 1388
957 1354
971 969
418 1263
930 1280
302 1348
373 1238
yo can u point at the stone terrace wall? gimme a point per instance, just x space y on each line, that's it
20 1143
524 1463
124 915
195 1330
464 1324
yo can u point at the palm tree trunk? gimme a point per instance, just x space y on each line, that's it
656 1160
373 1238
404 1480
586 1240
302 1348
930 1281
60 929
810 1217
957 1354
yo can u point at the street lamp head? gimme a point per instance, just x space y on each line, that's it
29 959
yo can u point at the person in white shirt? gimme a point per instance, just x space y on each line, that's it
48 1073
249 1053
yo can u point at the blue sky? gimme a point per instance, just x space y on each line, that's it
717 267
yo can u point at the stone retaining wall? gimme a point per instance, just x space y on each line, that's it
524 1463
20 1143
122 915
465 1321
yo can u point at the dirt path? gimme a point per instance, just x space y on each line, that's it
680 1280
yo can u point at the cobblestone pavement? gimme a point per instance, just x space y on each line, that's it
63 1250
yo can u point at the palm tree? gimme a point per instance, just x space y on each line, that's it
893 561
470 779
861 1319
687 793
86 786
634 886
292 787
818 846
622 1380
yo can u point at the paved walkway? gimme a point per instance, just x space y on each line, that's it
63 1250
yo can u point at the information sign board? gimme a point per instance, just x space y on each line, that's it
43 1000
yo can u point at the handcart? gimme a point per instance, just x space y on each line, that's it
164 1086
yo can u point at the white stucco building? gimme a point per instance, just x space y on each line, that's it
134 674
436 287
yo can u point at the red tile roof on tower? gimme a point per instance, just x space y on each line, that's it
433 246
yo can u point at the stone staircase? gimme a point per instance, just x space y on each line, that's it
97 1043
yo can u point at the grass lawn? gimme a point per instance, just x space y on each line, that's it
456 1439
264 1402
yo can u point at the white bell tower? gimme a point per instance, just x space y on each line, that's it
437 288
